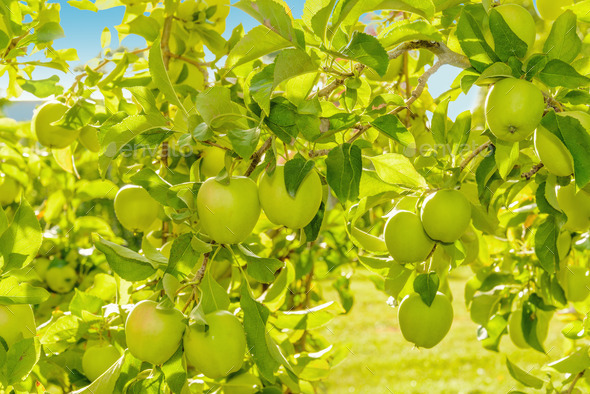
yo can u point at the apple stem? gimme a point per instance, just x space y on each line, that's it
571 387
474 154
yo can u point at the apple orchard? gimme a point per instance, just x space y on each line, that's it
165 218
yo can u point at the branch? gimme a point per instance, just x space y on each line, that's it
442 51
571 387
417 92
360 130
556 105
474 154
533 171
257 156
328 89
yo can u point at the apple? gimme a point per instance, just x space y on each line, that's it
135 208
515 327
284 210
97 359
89 138
228 212
576 283
244 383
553 153
61 278
153 335
514 108
520 21
406 239
54 137
41 265
551 9
218 349
9 190
576 206
17 322
212 161
423 325
446 215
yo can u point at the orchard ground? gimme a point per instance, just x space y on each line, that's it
380 357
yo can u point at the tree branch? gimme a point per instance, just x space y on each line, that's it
533 171
417 92
257 156
442 51
474 154
571 387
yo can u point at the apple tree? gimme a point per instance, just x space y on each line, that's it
165 218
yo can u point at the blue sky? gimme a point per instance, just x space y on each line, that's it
83 30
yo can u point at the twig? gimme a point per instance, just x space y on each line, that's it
533 171
328 89
556 105
360 130
196 280
257 156
417 92
474 154
438 48
571 387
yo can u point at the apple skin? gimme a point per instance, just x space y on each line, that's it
550 10
515 328
422 325
556 158
135 208
89 138
218 351
61 279
406 239
244 383
9 190
284 210
577 283
520 21
54 137
446 215
153 335
17 322
514 108
228 213
212 161
97 359
576 207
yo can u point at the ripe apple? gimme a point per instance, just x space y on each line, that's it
89 138
553 153
424 325
135 208
520 21
61 278
576 207
228 213
153 335
97 359
17 322
219 349
244 383
551 9
576 283
212 161
406 239
284 210
514 108
446 215
515 327
9 190
54 137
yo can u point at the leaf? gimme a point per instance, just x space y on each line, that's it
291 63
260 268
367 50
573 363
105 36
472 42
158 188
214 104
85 5
42 87
175 372
427 285
128 264
534 65
558 73
523 377
213 296
20 359
316 14
507 154
546 244
458 135
255 44
106 382
284 120
312 230
48 32
12 291
530 320
261 86
160 75
344 170
21 241
307 319
391 126
147 100
577 141
396 169
563 42
244 142
439 122
272 15
85 302
494 72
506 42
295 172
408 30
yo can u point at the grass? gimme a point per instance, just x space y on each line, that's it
381 361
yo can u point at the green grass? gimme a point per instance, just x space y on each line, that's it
381 361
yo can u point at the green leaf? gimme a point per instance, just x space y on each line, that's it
175 372
85 302
523 377
563 42
273 16
427 285
213 296
458 135
147 100
534 65
12 291
312 230
49 32
215 105
261 87
160 75
128 264
158 188
244 142
439 122
473 43
85 5
546 244
506 42
316 14
573 363
21 241
144 26
530 320
494 72
307 319
558 73
296 171
260 268
577 141
506 156
367 50
291 63
105 36
408 30
391 126
285 121
396 169
255 44
20 359
344 170
42 87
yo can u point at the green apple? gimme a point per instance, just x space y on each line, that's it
218 349
515 327
41 265
97 359
244 383
406 239
514 108
61 278
576 206
135 208
576 283
553 153
551 9
17 322
89 138
9 190
54 137
284 210
228 212
423 325
212 161
153 335
446 215
520 21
